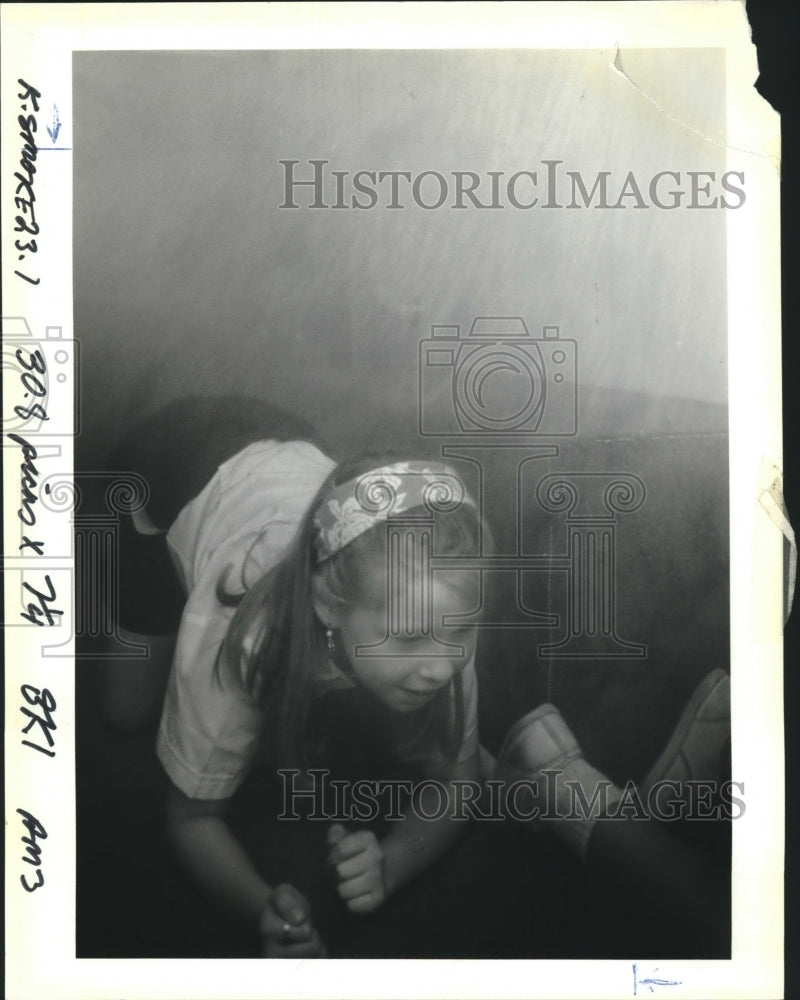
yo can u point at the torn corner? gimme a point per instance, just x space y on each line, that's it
757 60
771 500
762 108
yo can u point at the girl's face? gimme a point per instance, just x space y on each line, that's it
411 667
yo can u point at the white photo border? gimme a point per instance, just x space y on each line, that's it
38 43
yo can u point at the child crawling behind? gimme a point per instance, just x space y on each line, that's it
305 579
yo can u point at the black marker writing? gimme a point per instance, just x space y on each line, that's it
42 609
28 481
33 853
24 197
46 704
27 543
34 366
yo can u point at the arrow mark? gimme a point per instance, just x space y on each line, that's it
650 981
53 132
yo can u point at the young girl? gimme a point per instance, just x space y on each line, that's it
305 579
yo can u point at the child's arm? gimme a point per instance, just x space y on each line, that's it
416 842
369 871
219 864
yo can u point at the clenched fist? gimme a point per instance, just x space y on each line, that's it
285 927
357 859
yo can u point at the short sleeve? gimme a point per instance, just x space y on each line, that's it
210 725
234 531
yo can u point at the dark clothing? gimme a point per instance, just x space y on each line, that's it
176 451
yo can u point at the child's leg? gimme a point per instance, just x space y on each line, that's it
150 601
647 882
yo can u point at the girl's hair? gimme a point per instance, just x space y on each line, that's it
275 640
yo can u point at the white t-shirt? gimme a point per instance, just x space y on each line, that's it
242 522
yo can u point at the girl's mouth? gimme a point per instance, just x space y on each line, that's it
422 695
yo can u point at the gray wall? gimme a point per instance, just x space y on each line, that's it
189 279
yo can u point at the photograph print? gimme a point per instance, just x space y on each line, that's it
405 448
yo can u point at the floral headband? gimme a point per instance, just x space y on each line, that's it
375 496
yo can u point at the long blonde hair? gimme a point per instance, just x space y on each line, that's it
278 668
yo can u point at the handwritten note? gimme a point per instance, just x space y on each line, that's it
33 370
29 399
33 852
24 198
45 703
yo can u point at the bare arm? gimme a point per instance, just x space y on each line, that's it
369 871
416 842
219 864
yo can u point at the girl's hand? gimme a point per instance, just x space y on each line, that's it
285 927
357 859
